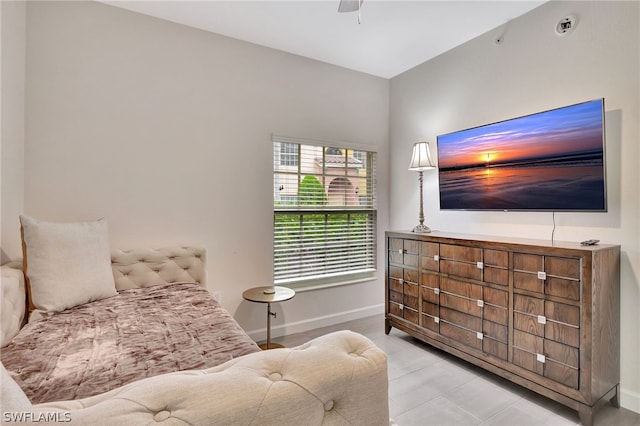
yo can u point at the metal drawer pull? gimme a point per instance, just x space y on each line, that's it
540 358
436 320
400 251
480 303
479 335
436 257
542 319
401 307
542 275
480 265
436 291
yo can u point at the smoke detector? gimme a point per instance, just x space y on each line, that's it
566 25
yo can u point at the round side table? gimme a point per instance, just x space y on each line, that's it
269 295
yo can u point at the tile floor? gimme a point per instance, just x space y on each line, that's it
430 387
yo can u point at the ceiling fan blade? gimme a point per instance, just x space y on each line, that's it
349 5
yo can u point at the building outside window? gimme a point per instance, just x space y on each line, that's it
289 154
324 213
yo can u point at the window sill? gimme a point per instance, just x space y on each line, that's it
302 285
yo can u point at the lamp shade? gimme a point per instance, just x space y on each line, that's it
421 157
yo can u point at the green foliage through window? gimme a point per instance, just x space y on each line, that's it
311 192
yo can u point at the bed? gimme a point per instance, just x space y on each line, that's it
158 346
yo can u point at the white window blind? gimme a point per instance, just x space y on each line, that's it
324 211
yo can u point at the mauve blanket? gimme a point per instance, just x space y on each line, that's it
138 333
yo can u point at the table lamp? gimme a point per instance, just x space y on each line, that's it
421 161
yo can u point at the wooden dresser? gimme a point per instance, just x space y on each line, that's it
543 315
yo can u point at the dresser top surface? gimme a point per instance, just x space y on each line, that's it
474 238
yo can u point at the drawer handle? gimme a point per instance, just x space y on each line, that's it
480 265
542 319
400 280
436 258
436 320
400 251
540 358
401 307
436 291
479 335
480 303
542 275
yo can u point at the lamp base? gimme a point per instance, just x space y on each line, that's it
422 228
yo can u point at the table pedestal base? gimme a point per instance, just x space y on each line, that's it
271 345
268 344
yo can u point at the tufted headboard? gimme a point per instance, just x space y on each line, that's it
131 269
146 267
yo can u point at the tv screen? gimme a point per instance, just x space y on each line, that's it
549 161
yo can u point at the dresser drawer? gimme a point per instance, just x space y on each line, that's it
395 272
460 288
411 315
461 335
563 323
551 320
496 305
411 276
553 360
404 252
528 281
498 258
551 275
402 311
562 373
496 331
561 287
562 267
527 312
461 296
496 266
461 319
460 269
496 276
411 295
429 256
495 348
430 294
430 322
460 253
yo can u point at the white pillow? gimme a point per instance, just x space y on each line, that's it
66 264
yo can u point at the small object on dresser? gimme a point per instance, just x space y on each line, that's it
589 242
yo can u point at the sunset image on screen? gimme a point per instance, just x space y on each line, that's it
529 155
549 134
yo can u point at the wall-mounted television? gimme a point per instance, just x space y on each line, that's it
548 161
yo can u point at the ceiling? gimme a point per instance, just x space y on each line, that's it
393 35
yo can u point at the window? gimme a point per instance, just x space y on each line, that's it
324 212
288 154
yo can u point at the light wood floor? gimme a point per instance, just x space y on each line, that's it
430 387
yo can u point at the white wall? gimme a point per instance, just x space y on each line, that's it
165 130
533 70
12 135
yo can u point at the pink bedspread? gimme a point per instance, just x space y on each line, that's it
139 333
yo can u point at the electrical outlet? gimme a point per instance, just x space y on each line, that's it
217 296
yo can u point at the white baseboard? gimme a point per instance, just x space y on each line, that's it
630 400
318 322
